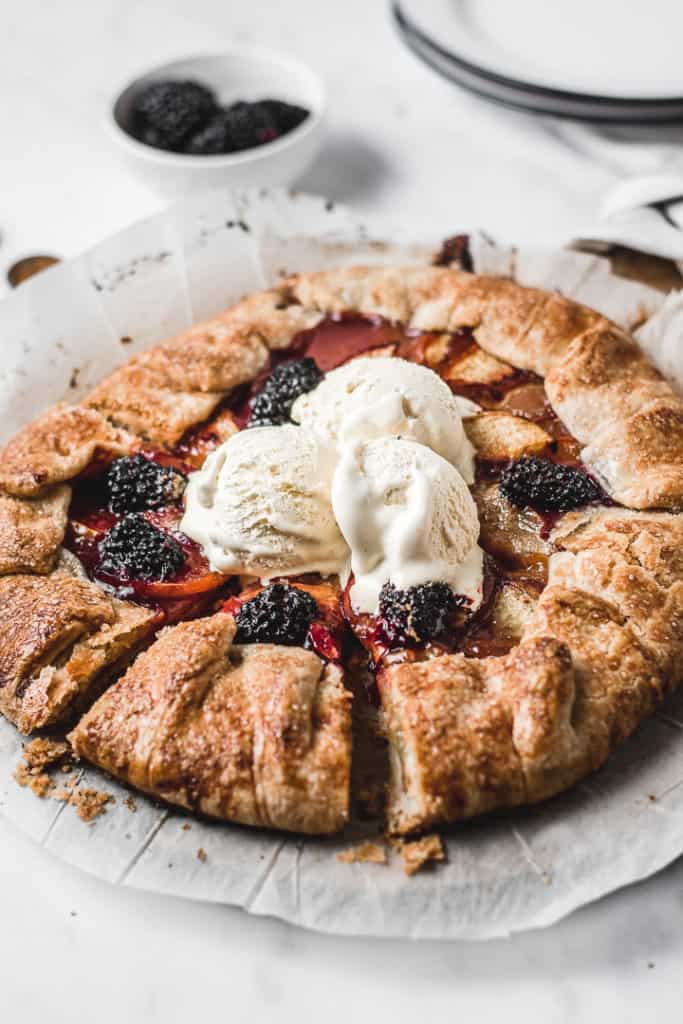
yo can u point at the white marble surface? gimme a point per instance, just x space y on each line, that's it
407 149
403 145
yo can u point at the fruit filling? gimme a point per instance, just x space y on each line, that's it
303 611
125 517
124 526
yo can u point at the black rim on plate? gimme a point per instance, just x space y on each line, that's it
527 97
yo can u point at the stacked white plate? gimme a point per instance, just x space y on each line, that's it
612 61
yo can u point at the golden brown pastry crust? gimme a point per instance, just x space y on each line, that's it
56 447
603 376
450 742
526 327
176 385
138 397
602 647
258 735
652 541
57 634
31 530
639 459
261 734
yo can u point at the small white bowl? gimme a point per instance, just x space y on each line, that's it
241 73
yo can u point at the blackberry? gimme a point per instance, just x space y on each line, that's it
273 404
421 613
212 138
240 126
134 483
455 250
546 486
134 549
287 116
280 614
165 113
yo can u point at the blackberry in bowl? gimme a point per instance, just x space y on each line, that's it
166 113
245 118
235 128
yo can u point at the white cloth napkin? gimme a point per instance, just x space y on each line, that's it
644 208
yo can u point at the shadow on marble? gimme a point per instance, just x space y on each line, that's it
347 169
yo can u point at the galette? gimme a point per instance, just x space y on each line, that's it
450 496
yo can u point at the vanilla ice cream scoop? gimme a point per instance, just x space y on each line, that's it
384 397
260 505
408 517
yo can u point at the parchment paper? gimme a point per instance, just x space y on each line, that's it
508 872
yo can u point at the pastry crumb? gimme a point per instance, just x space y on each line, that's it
131 803
419 852
201 854
38 782
64 795
38 755
43 753
89 803
186 827
367 853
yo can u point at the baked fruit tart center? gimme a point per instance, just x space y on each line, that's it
374 484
